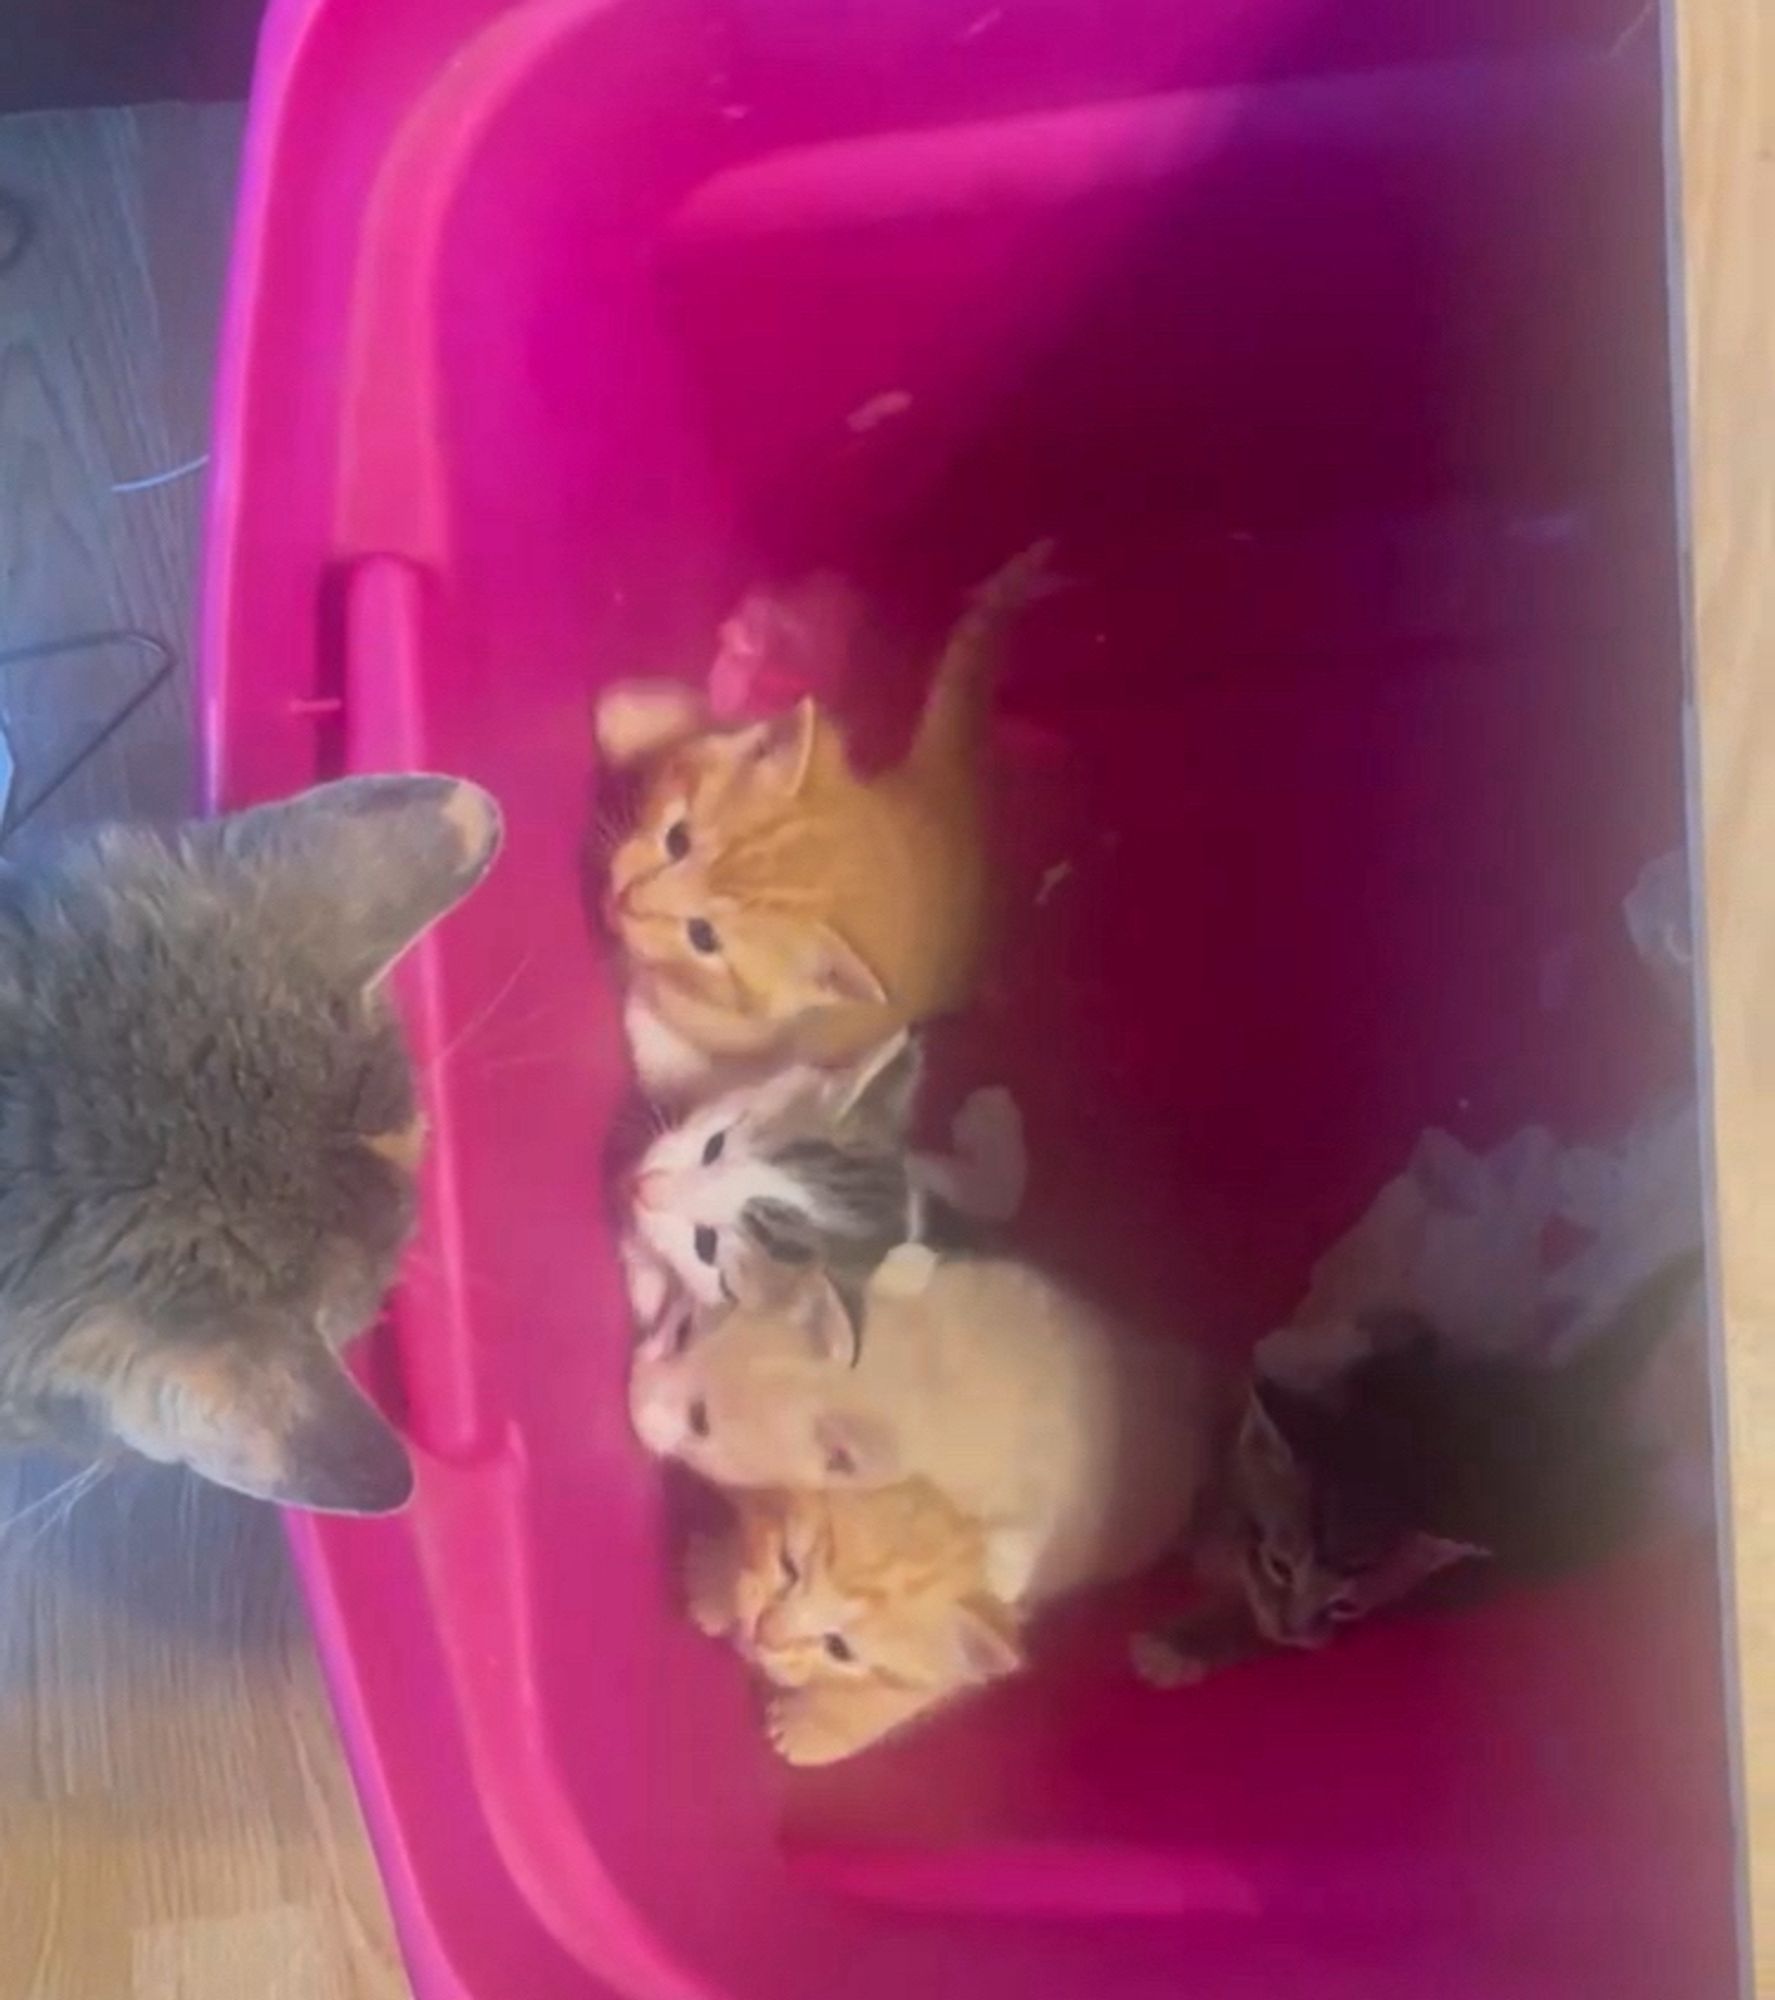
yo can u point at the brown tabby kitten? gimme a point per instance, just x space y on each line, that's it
209 1129
1342 1499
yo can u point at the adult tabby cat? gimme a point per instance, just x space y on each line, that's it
209 1130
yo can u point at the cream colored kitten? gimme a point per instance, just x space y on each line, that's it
1081 1447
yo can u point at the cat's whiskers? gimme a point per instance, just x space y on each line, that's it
478 1021
44 1510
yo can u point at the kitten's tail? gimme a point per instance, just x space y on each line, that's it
1606 1366
949 727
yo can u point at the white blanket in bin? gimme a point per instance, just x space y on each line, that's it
1532 1247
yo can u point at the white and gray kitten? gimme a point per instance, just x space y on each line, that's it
810 1166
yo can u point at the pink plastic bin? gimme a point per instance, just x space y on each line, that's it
1330 338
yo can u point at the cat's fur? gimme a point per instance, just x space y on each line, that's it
209 1130
811 1166
1349 1488
863 1608
1080 1446
773 905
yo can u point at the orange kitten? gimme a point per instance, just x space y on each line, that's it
772 905
863 1609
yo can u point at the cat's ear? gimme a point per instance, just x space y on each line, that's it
781 751
818 1309
1262 1446
358 870
876 1095
985 1649
833 973
855 1447
276 1418
636 721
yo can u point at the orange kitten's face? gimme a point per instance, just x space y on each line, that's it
724 891
879 1587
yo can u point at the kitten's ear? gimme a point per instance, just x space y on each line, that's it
817 1306
358 870
1262 1445
857 1447
876 1095
781 750
638 720
834 973
278 1419
985 1648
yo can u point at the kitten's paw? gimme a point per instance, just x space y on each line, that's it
804 1731
670 1068
649 1285
991 1170
638 719
708 1584
904 1272
1161 1664
1011 1558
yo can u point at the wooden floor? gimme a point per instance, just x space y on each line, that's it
1727 58
175 1818
175 1821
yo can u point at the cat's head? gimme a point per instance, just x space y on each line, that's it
209 1130
727 890
806 1167
765 1395
883 1586
1322 1545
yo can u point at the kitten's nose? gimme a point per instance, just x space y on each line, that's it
650 1188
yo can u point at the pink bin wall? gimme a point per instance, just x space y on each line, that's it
1331 341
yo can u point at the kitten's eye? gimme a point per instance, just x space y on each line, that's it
706 1241
697 1418
1277 1569
713 1150
677 840
1341 1610
701 934
838 1647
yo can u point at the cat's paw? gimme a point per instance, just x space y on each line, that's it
637 720
1162 1664
649 1284
1010 1565
804 1730
708 1584
991 1168
904 1272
